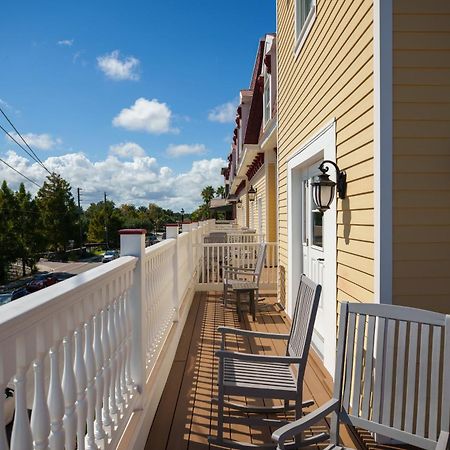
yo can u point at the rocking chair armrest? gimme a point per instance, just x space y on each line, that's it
237 269
258 358
257 334
292 429
443 441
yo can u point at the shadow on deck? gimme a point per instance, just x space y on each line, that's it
185 415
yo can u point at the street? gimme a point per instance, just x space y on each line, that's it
73 268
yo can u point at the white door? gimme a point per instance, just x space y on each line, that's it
313 251
312 239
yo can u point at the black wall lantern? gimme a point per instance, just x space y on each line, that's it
323 187
239 203
251 194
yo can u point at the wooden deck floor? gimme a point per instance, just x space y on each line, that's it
185 415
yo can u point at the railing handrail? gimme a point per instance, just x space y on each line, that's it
228 244
46 302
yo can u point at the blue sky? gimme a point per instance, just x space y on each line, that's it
128 97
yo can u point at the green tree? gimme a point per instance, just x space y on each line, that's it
220 191
207 194
58 211
9 248
105 221
29 229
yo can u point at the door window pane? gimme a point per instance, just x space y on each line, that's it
316 231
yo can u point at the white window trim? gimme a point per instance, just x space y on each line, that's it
269 78
307 26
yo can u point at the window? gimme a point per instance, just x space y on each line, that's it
304 15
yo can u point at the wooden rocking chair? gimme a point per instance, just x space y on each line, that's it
266 376
392 378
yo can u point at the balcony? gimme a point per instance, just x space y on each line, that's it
122 356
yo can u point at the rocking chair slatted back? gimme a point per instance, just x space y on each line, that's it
303 318
394 376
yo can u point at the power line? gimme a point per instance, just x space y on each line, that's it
36 157
20 173
24 149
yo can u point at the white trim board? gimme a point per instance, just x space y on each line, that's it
383 149
321 146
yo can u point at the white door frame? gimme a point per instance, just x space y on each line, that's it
320 146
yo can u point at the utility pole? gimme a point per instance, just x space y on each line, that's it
106 223
79 219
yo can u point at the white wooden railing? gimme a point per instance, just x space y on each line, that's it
214 256
66 350
89 357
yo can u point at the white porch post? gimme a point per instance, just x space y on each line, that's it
132 243
187 228
195 241
172 233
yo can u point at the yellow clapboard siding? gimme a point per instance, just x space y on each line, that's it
421 7
438 303
362 170
421 22
426 201
423 112
358 232
362 263
425 58
424 234
356 156
355 291
364 185
356 217
438 269
331 77
417 216
421 41
421 76
354 202
417 286
422 128
427 251
420 181
423 163
344 297
359 248
415 146
356 277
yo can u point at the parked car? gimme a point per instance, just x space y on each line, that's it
41 281
152 238
18 293
110 255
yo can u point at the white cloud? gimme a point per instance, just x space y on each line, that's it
66 42
127 150
145 115
224 113
117 68
185 149
42 141
139 180
3 103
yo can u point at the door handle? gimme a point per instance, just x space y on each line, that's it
320 259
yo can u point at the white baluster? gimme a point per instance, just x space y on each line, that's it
91 393
55 402
40 418
99 382
112 349
107 421
21 438
123 346
3 440
70 396
118 356
80 376
128 379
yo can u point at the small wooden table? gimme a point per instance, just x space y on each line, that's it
245 287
